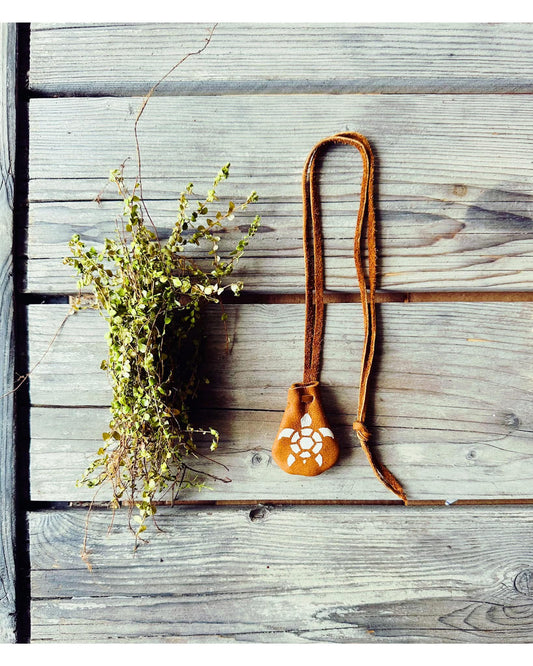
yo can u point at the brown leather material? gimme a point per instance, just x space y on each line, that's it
305 444
314 303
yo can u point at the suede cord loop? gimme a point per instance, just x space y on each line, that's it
314 283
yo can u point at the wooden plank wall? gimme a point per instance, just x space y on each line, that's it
451 409
8 45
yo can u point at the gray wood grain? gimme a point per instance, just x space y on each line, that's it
451 408
249 58
439 245
454 184
287 574
8 43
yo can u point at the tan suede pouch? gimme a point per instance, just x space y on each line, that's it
305 444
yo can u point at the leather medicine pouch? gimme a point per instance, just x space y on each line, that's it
305 444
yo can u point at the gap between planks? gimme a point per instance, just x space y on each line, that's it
237 89
390 297
40 505
252 298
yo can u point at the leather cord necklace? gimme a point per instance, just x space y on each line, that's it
305 444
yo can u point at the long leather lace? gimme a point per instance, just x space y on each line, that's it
314 284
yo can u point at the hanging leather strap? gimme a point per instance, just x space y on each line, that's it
314 283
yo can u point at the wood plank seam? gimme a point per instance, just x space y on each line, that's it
258 297
42 505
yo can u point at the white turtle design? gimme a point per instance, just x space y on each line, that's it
306 442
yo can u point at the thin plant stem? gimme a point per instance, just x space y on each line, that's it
145 101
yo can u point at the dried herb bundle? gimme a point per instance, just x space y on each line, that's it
152 295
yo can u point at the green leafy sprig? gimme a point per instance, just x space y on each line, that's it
152 294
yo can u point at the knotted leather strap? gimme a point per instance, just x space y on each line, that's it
314 283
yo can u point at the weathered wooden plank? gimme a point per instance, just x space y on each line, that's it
451 410
251 58
435 245
455 178
8 50
288 574
427 145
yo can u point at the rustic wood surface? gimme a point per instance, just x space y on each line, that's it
451 405
8 41
288 574
455 173
281 58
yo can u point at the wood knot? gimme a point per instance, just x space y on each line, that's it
511 420
523 583
460 190
362 433
259 513
257 459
